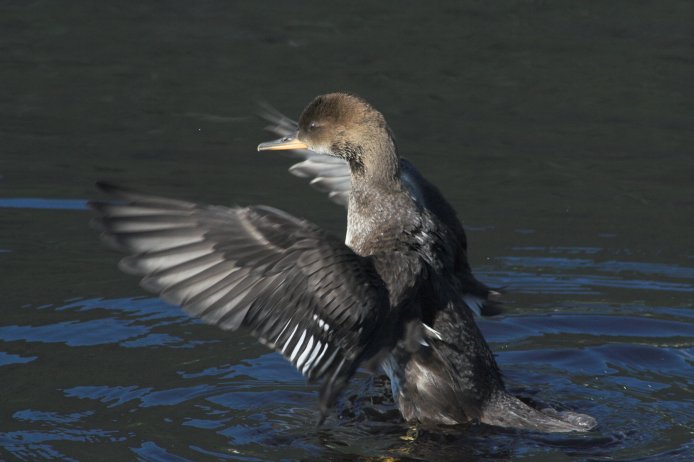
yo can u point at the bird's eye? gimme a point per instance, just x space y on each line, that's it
312 126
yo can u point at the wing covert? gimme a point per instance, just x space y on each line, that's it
299 290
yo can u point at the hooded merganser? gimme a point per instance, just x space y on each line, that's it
332 175
389 298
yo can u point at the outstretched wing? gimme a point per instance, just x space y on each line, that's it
299 290
331 175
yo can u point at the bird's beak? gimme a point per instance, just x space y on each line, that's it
286 142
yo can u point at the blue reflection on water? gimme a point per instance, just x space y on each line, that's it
146 397
75 333
128 322
639 357
38 203
673 271
7 358
150 452
555 275
44 416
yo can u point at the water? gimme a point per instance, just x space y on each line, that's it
561 132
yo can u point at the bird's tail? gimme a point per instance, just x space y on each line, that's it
505 410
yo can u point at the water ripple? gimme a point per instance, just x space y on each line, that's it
45 204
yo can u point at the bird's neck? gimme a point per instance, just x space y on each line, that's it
377 201
376 170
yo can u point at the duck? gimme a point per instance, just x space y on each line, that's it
386 299
331 174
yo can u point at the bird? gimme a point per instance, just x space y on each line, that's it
331 174
386 299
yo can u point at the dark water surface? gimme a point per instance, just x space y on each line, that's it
563 132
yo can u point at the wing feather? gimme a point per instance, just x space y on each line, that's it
299 290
